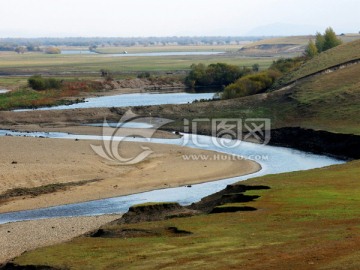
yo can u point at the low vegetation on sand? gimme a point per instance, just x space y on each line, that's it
307 220
47 92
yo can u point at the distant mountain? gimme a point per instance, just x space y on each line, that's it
284 29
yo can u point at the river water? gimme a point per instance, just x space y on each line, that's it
3 91
272 159
148 54
139 99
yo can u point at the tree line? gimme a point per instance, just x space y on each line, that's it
9 44
239 81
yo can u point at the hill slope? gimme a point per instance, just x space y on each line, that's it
336 56
284 46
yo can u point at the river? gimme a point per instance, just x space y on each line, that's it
139 99
272 159
145 54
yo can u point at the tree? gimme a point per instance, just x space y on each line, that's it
311 50
214 75
20 49
255 67
319 42
330 39
327 41
93 48
52 50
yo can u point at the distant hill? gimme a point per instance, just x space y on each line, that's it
284 46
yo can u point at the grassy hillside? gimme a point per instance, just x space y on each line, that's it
341 54
284 46
307 220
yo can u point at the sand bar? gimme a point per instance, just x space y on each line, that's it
34 162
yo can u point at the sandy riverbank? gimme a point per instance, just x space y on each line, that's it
18 237
34 162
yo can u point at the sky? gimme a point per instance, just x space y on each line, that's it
135 18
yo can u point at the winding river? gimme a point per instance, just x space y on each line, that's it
272 159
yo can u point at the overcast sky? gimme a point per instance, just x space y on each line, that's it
126 18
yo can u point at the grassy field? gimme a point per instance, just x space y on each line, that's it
175 48
307 220
294 40
31 63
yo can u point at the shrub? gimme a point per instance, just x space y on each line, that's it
285 65
214 75
52 50
37 82
144 75
251 84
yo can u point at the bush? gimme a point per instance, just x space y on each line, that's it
144 75
327 41
214 75
251 84
37 82
285 65
52 50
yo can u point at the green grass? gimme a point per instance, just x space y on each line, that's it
297 40
177 48
12 82
309 218
341 54
20 98
41 63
